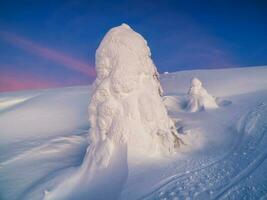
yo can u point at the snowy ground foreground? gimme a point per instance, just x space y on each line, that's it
43 139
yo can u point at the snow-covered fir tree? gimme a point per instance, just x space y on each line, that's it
198 97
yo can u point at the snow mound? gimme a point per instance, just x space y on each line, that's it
198 97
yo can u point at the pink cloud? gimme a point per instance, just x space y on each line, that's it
47 53
13 82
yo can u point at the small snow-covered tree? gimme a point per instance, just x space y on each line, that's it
126 105
199 98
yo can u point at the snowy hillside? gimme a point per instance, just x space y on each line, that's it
44 137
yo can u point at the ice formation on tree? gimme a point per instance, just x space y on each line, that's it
126 114
199 98
126 105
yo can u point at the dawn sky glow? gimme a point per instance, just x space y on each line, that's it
47 44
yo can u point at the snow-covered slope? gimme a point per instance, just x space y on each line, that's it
44 136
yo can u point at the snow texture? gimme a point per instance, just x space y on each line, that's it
198 97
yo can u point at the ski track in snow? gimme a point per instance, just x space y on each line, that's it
216 179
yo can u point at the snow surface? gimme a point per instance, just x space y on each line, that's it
44 137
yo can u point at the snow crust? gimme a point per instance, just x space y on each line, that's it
198 97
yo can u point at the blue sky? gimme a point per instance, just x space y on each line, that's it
52 43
